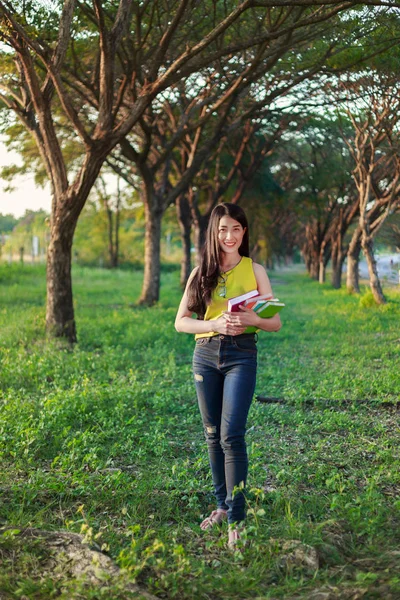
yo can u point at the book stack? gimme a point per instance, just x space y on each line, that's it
234 303
264 305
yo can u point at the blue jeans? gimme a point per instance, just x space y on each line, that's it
224 369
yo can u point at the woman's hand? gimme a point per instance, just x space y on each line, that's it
245 318
225 325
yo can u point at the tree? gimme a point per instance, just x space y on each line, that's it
30 91
20 239
34 85
7 223
201 105
375 149
112 207
230 170
119 57
313 167
281 73
390 232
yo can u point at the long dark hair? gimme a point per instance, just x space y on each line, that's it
206 278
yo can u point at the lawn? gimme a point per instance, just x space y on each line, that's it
105 441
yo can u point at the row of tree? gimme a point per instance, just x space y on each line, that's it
185 100
344 177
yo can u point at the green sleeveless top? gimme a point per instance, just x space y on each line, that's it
238 281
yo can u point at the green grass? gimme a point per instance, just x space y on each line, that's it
106 440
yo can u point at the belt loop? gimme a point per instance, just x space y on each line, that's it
256 337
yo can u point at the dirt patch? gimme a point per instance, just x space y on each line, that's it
61 555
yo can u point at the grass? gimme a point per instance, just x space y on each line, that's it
106 440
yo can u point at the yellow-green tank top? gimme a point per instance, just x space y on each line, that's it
238 281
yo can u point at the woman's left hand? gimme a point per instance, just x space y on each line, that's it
246 317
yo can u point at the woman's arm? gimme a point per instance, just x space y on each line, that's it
247 317
186 324
184 321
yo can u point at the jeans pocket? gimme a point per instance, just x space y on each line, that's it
246 345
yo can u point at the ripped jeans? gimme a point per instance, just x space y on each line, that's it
224 369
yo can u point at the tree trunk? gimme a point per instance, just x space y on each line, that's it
337 274
115 258
307 261
375 284
200 227
322 271
113 233
323 260
254 253
60 321
152 245
185 223
314 269
289 260
110 228
353 258
269 261
311 259
117 222
337 268
337 264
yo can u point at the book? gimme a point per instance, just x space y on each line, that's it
234 303
264 305
257 301
269 309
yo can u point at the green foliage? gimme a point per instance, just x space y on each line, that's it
33 223
91 237
389 234
90 246
7 223
106 440
314 165
368 40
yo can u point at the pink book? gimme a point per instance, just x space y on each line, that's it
234 303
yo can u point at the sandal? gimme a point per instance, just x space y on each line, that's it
216 518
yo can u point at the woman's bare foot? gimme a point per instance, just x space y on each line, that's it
235 541
216 518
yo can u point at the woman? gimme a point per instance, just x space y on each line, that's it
225 356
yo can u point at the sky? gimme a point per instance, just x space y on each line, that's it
26 195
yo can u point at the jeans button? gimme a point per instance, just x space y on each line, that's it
221 337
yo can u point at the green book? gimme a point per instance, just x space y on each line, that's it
269 309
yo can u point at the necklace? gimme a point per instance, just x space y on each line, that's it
232 267
223 279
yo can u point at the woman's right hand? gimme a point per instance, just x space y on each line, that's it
223 326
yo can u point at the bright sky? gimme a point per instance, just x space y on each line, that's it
26 195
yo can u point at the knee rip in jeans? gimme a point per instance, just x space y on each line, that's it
211 429
198 377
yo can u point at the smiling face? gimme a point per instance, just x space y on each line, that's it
230 235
